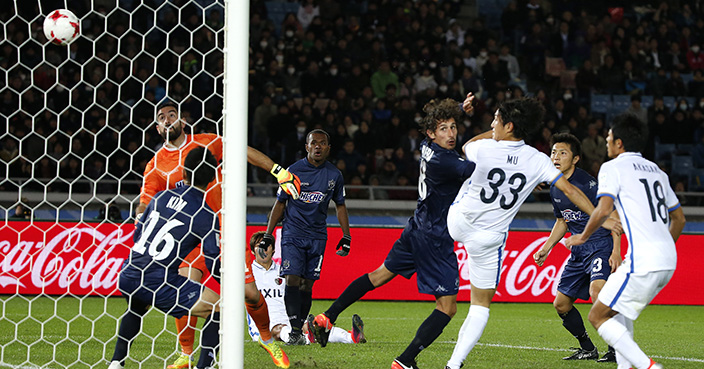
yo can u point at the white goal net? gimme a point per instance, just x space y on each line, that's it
77 128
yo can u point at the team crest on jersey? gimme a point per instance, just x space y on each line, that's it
331 184
312 197
570 215
278 281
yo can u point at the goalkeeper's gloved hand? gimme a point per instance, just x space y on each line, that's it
343 247
266 242
288 181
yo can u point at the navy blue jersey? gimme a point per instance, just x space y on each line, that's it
175 222
564 208
307 216
442 173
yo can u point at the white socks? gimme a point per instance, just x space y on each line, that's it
469 335
616 334
340 335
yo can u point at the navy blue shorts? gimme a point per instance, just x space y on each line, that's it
432 258
581 271
302 257
175 297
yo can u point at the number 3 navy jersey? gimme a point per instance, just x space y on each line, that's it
442 172
173 224
564 208
307 216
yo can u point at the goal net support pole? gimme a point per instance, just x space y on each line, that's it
234 183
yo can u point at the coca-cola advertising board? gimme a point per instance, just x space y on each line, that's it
84 259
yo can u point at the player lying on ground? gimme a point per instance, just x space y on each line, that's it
653 221
425 247
272 287
590 264
506 172
164 171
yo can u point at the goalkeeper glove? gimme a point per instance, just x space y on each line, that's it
288 181
343 247
266 242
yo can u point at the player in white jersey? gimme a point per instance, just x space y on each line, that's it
652 219
507 171
272 287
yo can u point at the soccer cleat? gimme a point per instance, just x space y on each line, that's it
609 357
296 339
183 361
654 365
277 354
309 328
358 330
397 364
115 365
582 354
321 329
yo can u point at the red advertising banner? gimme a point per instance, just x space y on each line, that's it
85 259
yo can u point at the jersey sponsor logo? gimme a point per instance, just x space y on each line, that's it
271 293
312 197
570 215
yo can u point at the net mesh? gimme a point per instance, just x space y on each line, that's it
76 132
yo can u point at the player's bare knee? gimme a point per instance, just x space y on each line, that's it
562 307
293 281
381 276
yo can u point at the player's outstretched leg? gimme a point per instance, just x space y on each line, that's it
277 354
130 326
428 331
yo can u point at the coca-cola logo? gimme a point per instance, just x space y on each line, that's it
519 273
77 259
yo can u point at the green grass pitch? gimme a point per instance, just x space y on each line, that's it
47 332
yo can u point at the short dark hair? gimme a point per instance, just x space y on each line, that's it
199 167
255 239
631 131
570 139
166 103
526 114
317 130
439 110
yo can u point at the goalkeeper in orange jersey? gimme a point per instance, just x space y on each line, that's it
164 171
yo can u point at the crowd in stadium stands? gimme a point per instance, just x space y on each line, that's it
361 70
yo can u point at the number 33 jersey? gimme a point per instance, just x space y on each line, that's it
506 173
643 198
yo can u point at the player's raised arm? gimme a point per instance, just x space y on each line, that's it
288 182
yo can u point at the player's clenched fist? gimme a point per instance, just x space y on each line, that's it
343 247
288 181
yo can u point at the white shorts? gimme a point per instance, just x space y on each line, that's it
629 293
484 248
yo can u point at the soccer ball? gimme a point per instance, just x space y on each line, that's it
61 27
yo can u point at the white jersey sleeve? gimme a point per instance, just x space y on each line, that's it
643 198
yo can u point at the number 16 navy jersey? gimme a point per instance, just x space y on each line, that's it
173 224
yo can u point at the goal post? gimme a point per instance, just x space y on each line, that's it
234 182
77 128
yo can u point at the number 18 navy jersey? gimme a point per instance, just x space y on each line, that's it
173 224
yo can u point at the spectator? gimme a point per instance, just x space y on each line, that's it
306 12
350 156
495 74
514 68
22 210
382 78
425 81
637 110
695 57
593 148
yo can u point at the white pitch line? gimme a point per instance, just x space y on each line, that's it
689 359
